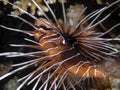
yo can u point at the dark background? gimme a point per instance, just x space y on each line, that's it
10 37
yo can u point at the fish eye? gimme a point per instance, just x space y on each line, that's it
64 42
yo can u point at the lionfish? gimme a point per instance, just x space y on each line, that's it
66 54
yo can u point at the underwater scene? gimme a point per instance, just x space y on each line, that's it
59 44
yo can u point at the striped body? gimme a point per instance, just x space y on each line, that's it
65 58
